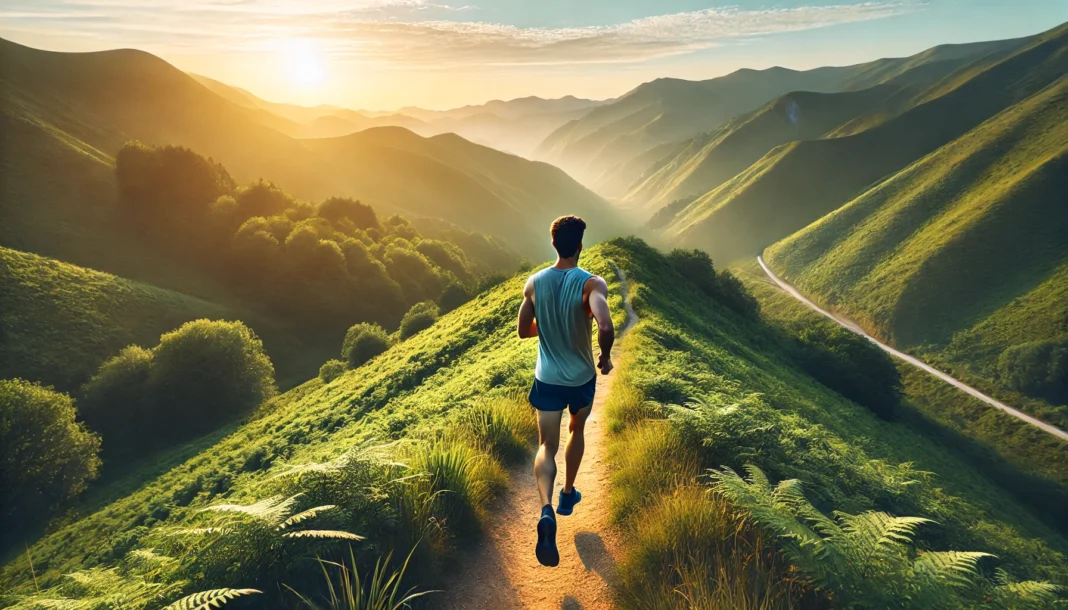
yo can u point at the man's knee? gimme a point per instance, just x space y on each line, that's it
550 447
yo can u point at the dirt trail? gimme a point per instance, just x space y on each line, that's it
501 572
916 362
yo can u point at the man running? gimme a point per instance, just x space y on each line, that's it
557 305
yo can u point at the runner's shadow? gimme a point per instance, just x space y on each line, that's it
570 603
595 556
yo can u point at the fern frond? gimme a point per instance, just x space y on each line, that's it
757 480
271 510
1028 594
324 535
306 514
198 531
214 598
955 568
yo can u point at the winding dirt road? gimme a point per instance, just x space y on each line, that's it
501 572
915 361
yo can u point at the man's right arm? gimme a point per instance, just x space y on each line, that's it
606 332
527 325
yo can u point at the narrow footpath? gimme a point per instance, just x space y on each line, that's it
916 362
501 572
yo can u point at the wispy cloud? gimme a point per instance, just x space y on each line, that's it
416 33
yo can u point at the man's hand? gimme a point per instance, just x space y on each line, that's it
604 363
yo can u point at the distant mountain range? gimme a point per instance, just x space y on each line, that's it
68 113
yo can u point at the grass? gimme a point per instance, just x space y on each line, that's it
748 402
444 402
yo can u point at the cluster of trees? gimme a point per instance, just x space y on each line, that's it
366 340
1038 369
723 286
198 377
324 265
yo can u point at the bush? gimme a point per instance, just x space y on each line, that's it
115 402
338 208
206 372
696 266
420 317
46 457
732 292
454 295
1038 369
362 342
331 370
850 365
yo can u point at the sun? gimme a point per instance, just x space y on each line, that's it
303 62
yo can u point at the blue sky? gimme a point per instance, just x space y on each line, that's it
441 53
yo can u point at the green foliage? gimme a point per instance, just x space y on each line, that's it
335 209
168 183
1037 368
454 295
420 317
460 479
46 457
864 560
215 598
349 592
850 365
363 341
696 266
505 427
331 370
116 401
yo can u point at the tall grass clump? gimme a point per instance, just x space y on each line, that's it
460 479
505 427
347 590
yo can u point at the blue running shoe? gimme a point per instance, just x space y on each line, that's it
566 504
545 550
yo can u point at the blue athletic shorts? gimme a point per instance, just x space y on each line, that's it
552 397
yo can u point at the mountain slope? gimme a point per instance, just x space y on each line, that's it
950 243
669 110
795 184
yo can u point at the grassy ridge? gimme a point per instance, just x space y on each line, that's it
60 321
951 241
416 390
752 405
798 183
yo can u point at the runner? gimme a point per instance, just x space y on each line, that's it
557 305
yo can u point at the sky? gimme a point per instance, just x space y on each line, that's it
386 54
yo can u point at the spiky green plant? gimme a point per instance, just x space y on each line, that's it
205 600
504 427
862 561
348 591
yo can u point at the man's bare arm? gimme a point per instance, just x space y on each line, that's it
606 332
527 325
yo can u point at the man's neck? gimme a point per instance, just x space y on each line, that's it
566 263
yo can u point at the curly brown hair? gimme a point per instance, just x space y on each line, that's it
566 232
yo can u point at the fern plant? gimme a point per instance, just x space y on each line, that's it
205 600
866 560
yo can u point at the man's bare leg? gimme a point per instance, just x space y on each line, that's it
576 446
545 462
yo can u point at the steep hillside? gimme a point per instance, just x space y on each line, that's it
797 183
669 110
424 390
951 243
59 322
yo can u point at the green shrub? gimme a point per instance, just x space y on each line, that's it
454 295
1038 368
331 370
362 342
337 208
731 292
461 479
505 427
206 372
115 402
420 317
696 266
46 457
850 365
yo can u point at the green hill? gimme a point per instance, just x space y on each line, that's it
797 183
73 111
968 240
60 321
670 110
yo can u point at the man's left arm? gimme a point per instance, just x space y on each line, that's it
606 332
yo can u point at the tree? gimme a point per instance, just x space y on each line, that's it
362 342
168 182
454 295
115 402
206 372
46 457
696 266
331 370
420 317
360 215
850 365
1037 368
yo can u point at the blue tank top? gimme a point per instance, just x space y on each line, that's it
565 335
